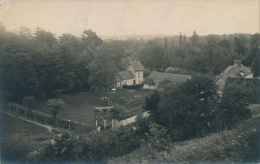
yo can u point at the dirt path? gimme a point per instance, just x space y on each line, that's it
49 128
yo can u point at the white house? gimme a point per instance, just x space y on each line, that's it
133 75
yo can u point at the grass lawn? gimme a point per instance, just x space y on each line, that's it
18 138
129 99
79 107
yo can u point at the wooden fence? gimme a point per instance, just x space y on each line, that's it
45 118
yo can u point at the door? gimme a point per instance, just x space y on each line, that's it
134 82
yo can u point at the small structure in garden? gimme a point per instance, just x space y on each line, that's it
113 90
104 117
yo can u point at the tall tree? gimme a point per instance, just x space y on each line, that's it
237 95
194 39
28 101
25 32
256 65
180 40
90 41
153 56
55 106
240 44
102 70
19 77
186 110
184 40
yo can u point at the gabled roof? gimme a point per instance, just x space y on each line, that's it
176 78
137 66
118 79
124 75
232 72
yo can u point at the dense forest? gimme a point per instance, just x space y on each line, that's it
38 63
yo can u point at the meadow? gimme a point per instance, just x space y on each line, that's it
79 107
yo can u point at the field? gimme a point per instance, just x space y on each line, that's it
79 107
19 138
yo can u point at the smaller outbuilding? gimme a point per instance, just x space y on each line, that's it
174 78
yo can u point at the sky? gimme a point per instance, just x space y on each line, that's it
133 17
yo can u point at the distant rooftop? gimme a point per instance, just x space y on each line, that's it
236 70
176 78
124 75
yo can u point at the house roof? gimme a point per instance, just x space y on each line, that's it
176 78
118 79
137 66
232 72
124 75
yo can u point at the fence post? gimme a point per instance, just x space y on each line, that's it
35 116
113 124
69 124
25 113
104 124
9 106
17 109
116 124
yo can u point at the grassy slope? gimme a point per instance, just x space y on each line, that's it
240 144
18 138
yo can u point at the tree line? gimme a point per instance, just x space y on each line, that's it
200 54
41 65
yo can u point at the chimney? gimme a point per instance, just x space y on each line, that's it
237 62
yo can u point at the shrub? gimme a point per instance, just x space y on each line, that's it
137 86
149 81
55 105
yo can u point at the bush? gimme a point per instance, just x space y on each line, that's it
149 81
137 86
240 144
92 147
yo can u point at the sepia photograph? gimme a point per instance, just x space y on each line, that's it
129 81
